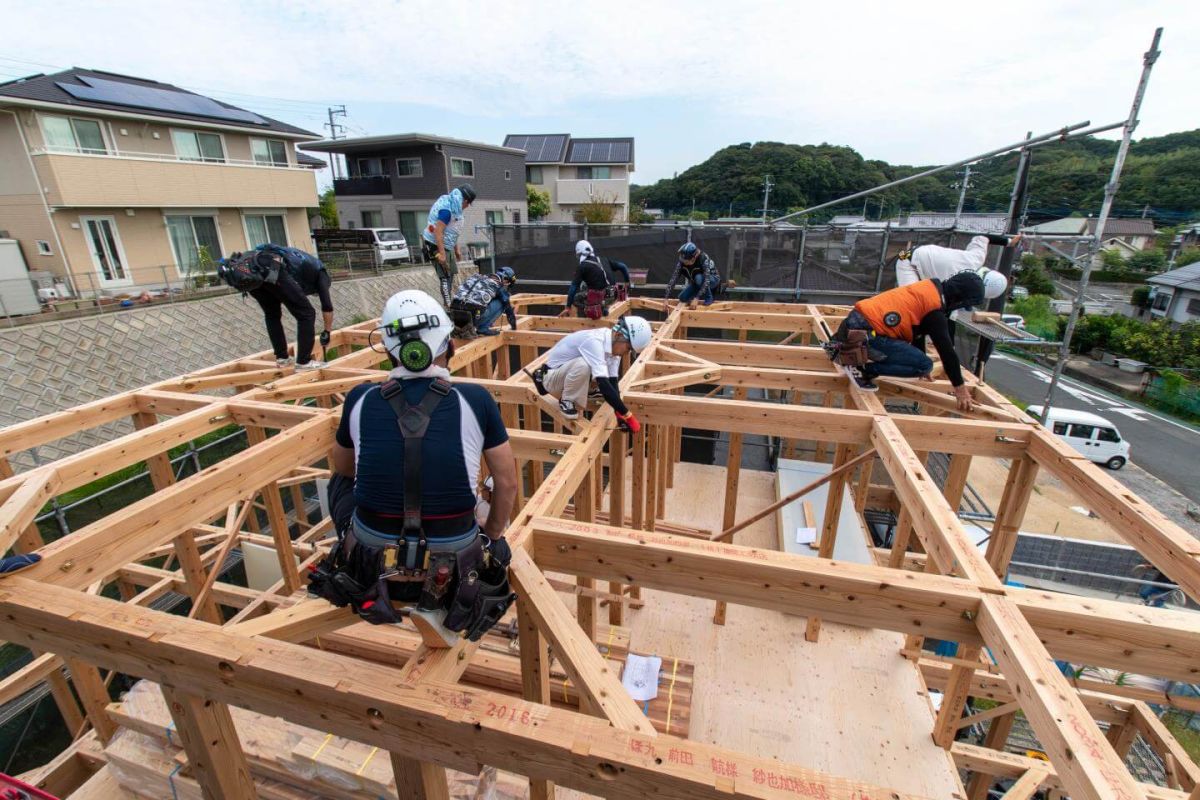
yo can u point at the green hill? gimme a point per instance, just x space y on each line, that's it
1068 177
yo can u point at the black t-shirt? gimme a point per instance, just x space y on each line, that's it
465 423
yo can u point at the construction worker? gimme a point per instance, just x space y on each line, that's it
877 337
297 275
702 276
934 261
480 301
583 357
406 461
588 293
439 240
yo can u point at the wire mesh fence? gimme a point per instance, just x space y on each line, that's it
802 261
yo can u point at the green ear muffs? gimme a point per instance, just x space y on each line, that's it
415 355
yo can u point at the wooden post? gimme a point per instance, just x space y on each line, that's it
638 508
280 531
661 468
535 680
733 472
93 694
958 686
997 735
829 526
1011 512
585 511
64 698
616 511
212 745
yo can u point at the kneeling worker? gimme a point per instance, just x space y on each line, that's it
592 355
701 275
934 261
480 301
406 463
589 291
877 337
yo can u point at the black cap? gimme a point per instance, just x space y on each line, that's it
468 192
962 290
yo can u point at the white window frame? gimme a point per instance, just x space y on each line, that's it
202 160
420 173
109 149
265 212
43 248
213 214
287 157
83 224
454 159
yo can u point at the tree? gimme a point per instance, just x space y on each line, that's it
598 209
1033 277
538 201
638 216
1189 255
328 208
1113 260
1151 260
1140 297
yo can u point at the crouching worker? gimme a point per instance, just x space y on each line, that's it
480 301
885 334
581 358
406 463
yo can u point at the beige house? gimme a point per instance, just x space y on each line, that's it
113 182
575 172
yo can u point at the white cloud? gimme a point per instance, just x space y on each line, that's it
907 82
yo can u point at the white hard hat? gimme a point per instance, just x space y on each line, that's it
583 248
415 329
636 330
994 283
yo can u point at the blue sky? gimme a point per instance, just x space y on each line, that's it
918 83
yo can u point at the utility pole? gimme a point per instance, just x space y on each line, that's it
962 195
762 231
766 196
1110 192
334 133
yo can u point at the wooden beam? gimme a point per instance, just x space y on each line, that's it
1010 765
300 622
211 742
23 505
93 696
535 680
1018 489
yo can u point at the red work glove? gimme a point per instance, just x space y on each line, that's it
628 423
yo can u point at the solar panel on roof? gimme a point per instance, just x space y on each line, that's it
551 148
120 93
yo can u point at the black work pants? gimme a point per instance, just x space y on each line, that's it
273 297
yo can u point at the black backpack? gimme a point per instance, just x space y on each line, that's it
248 271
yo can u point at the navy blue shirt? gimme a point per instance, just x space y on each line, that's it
465 423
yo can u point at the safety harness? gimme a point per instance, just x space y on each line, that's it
368 571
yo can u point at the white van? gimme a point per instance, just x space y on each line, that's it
390 244
1093 436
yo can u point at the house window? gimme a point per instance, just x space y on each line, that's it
593 173
1161 301
265 228
370 167
408 167
372 219
494 217
516 218
194 241
197 146
533 175
508 174
272 152
43 248
70 133
1193 306
462 168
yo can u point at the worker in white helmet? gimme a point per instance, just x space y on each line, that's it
934 261
592 355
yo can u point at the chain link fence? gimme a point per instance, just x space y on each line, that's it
804 262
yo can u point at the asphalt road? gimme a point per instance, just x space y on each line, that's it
1159 444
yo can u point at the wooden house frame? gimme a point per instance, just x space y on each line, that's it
577 518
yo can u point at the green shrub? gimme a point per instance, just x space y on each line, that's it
1040 319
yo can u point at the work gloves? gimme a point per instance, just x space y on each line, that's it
628 423
500 552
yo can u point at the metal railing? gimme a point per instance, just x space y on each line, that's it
57 150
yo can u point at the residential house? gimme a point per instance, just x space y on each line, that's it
575 172
970 222
111 182
1061 237
1175 295
395 179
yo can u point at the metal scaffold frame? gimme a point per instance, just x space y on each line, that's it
934 582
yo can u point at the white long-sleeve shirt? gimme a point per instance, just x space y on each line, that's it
593 345
933 261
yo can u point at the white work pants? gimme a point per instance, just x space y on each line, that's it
570 381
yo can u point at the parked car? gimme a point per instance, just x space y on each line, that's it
1013 320
1091 435
388 243
1019 293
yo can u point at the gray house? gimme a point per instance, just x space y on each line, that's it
393 180
1175 295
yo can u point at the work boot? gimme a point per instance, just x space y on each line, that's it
487 331
860 378
568 409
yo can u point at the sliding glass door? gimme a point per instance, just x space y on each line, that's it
194 241
108 257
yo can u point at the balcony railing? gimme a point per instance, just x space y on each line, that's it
125 154
373 184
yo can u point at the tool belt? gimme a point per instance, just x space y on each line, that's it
591 303
850 346
371 570
616 292
463 313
